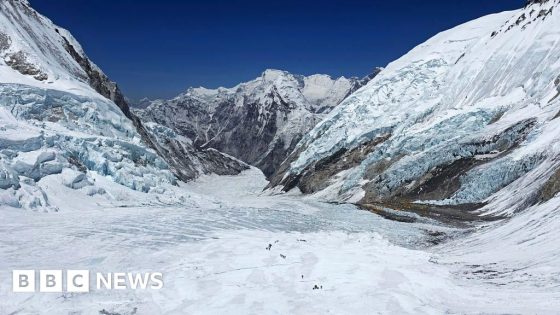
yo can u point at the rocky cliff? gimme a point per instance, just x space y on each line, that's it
258 122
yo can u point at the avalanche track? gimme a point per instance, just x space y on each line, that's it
214 257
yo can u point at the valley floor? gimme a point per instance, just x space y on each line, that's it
212 251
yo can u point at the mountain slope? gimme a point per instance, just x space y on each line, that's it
259 121
469 117
63 120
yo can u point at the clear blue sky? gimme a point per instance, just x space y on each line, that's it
159 48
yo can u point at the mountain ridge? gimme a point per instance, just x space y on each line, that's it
258 121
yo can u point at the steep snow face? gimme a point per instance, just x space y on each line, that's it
259 121
455 120
35 52
62 119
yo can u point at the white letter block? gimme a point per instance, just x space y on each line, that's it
23 280
50 281
77 281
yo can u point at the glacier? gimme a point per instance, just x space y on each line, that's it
467 120
212 249
60 133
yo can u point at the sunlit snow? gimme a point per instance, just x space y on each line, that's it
211 247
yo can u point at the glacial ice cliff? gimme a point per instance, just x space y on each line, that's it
468 114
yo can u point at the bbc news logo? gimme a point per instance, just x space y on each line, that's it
78 281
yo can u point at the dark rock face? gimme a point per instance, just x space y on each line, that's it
259 122
557 84
5 42
550 189
316 176
529 2
18 61
97 80
186 161
271 161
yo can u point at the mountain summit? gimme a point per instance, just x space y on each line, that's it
259 121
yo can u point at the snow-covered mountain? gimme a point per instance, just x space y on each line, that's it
259 121
141 103
61 116
468 117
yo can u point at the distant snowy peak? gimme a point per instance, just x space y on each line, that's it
141 103
258 121
315 92
273 75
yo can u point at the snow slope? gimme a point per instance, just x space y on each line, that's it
212 252
32 51
259 121
463 116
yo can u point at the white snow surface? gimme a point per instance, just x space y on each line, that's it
462 86
209 239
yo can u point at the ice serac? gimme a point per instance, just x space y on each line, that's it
258 122
62 118
468 117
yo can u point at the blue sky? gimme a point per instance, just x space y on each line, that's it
159 48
